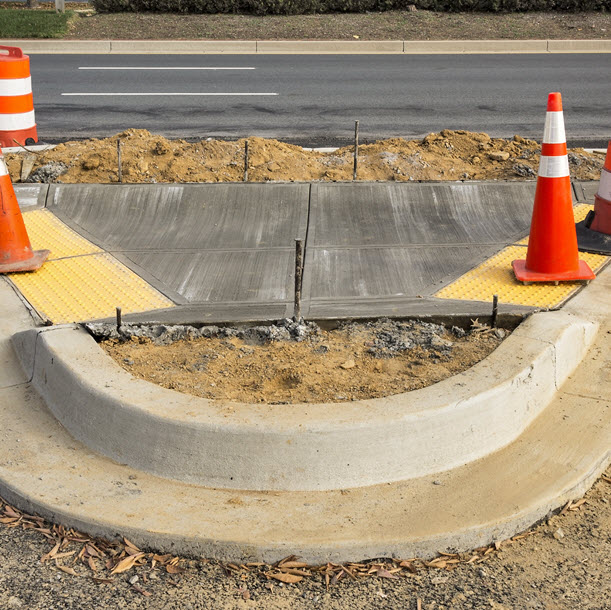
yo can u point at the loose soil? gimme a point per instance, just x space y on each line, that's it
447 155
562 564
293 363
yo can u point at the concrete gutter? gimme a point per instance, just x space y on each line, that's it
357 47
261 447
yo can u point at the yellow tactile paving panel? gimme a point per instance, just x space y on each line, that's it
47 232
81 282
495 276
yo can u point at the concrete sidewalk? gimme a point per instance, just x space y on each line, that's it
357 47
213 253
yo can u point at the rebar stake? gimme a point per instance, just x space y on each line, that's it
119 160
246 161
356 149
118 318
495 310
298 278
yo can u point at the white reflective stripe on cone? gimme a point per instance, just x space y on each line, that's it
554 167
3 168
15 86
15 122
604 188
554 128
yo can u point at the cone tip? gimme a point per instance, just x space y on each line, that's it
554 102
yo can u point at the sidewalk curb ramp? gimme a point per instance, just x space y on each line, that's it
309 503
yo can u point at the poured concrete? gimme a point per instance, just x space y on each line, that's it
557 457
262 447
225 252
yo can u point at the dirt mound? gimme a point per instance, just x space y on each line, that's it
296 363
148 158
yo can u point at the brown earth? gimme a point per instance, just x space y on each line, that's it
355 362
389 25
448 155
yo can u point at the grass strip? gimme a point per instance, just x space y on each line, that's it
20 23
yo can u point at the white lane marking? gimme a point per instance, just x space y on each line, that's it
160 68
163 94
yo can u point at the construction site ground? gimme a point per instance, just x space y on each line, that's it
355 362
150 158
562 564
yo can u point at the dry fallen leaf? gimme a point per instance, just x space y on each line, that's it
67 570
173 569
126 564
286 578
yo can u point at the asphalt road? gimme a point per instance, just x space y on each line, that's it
315 99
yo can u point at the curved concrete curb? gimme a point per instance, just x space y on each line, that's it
359 47
44 470
264 447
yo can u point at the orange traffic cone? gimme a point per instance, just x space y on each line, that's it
15 250
552 247
602 202
17 122
594 233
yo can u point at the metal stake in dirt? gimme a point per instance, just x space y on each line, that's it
298 277
246 161
495 310
119 160
356 148
118 318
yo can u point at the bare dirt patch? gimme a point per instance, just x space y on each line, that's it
391 25
149 158
300 363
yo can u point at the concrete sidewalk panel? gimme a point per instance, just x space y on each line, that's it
183 47
215 276
386 272
475 46
185 217
33 46
579 46
330 46
31 196
392 214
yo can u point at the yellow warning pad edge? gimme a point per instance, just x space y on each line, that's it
80 282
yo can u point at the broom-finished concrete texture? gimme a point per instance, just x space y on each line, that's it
44 470
275 447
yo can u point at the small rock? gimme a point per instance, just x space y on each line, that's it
498 156
499 333
14 602
349 364
558 534
133 580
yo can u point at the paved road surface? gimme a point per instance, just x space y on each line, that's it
316 98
